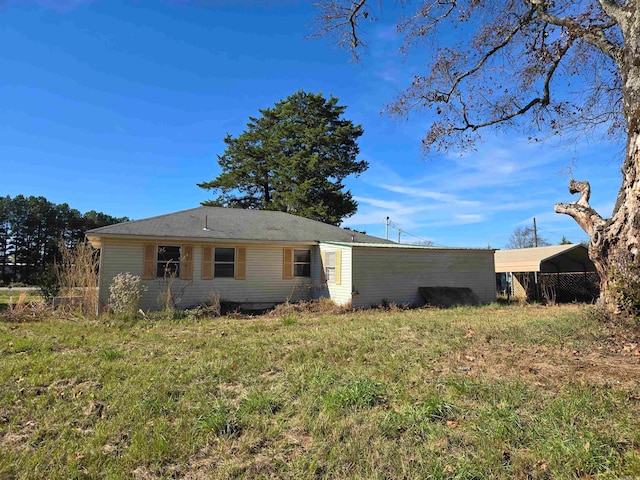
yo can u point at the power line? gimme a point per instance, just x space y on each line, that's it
389 223
549 231
557 234
416 236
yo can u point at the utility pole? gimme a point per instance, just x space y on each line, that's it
535 274
389 223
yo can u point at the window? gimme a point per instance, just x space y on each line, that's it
224 262
168 263
302 263
330 266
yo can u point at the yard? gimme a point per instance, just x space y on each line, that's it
489 392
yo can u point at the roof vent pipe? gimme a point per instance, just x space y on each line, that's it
206 223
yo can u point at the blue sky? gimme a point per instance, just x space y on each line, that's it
121 107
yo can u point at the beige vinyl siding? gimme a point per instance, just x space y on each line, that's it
120 257
262 283
394 275
340 293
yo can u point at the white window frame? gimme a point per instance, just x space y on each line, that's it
330 266
301 264
224 262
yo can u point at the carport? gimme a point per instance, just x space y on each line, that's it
562 273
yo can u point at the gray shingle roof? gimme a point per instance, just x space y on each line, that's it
233 224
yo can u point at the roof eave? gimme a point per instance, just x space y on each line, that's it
96 240
568 249
404 246
531 265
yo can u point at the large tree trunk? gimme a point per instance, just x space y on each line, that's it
614 245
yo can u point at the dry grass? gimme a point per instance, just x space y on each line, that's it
25 308
319 306
469 393
78 276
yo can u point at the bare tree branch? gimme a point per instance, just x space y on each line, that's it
488 55
583 188
465 86
352 21
593 35
613 11
542 100
424 12
580 210
340 19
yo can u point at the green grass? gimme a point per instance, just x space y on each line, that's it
468 393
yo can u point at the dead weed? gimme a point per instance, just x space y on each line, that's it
323 306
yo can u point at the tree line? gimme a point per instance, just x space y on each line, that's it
32 231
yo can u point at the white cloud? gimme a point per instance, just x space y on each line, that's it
383 204
470 218
420 193
496 165
379 172
486 193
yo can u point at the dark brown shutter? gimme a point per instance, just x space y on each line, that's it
287 263
186 261
207 263
150 259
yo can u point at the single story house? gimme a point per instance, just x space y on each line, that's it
260 258
558 272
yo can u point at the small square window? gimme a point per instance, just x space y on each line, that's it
224 262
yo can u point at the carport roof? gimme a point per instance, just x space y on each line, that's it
552 259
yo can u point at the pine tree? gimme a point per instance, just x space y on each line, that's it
292 158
